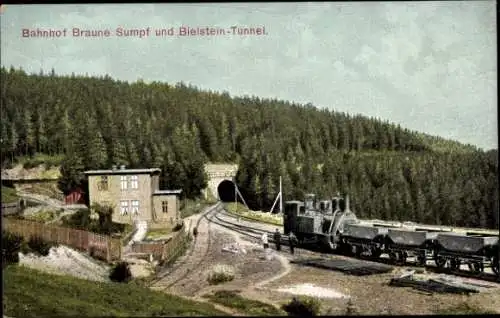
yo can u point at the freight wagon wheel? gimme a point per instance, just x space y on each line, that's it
475 267
440 261
403 256
397 257
421 259
494 265
455 264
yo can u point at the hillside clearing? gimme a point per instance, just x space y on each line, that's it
31 293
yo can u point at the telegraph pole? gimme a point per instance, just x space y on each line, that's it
281 197
235 195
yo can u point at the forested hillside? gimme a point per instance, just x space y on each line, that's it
389 172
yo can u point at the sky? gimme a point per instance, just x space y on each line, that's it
429 66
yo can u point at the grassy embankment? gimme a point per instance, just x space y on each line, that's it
232 299
9 195
240 210
31 293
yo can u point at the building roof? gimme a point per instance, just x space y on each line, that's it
123 171
166 192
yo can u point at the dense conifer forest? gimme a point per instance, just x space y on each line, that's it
389 171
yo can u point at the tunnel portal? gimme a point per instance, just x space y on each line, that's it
225 190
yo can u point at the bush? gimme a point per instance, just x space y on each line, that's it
195 231
39 246
121 273
177 227
221 274
304 306
11 246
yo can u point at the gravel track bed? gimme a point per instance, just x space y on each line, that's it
250 267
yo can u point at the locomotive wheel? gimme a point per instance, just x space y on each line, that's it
356 250
393 256
440 261
375 252
494 265
300 239
344 249
455 264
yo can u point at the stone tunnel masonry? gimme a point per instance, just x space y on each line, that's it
218 173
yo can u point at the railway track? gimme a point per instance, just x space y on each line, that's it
252 231
184 267
255 231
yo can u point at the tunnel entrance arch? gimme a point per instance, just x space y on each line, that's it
218 173
226 191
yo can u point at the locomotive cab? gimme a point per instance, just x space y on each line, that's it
292 209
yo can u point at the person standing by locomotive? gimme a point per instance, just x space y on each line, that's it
293 241
265 241
277 239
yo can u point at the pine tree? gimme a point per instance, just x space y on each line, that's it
71 173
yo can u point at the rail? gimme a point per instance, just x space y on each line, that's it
164 273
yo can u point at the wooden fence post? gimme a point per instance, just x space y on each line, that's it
108 249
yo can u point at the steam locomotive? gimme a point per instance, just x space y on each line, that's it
330 224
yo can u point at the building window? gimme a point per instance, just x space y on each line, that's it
134 182
103 183
123 182
135 207
124 207
164 206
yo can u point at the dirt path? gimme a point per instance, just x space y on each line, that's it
283 260
186 277
254 290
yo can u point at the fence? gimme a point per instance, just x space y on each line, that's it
100 246
168 250
11 208
165 250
